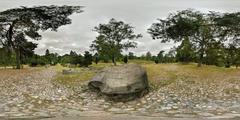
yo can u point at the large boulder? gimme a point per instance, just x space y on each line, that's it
124 82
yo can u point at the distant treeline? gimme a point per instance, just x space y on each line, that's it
71 59
221 57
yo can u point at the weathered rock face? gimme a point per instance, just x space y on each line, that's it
70 71
121 82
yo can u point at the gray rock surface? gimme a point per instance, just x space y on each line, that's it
121 81
70 71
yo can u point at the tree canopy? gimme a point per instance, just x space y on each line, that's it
198 27
18 23
113 37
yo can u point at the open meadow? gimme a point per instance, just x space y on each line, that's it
176 90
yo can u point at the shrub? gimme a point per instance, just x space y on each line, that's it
125 59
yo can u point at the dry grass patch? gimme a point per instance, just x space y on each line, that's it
82 75
161 75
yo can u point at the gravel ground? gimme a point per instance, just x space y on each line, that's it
31 93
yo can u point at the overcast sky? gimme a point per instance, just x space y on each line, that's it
139 13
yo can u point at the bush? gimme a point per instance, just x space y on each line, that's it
33 64
96 60
87 59
156 61
227 65
125 59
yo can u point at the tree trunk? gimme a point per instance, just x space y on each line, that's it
114 61
18 60
200 60
201 56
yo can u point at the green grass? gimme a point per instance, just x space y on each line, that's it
159 75
72 79
100 66
75 79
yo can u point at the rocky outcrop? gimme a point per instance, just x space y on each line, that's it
124 82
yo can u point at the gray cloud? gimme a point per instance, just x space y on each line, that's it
139 13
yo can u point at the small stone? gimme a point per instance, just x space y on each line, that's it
234 112
73 112
19 114
35 97
14 109
172 112
2 115
116 110
175 107
42 114
209 106
59 91
129 109
19 105
143 101
84 108
166 108
39 102
206 114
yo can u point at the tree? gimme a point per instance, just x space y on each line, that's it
47 55
185 52
18 23
190 24
125 59
36 60
160 57
232 55
26 50
113 38
5 57
87 59
148 56
237 60
227 25
96 58
66 59
216 54
75 59
51 58
131 55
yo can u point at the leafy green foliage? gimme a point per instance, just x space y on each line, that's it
228 27
160 57
125 59
113 38
131 55
148 56
96 58
215 54
198 27
6 58
185 52
87 59
18 23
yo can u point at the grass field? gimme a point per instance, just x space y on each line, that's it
164 75
185 88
